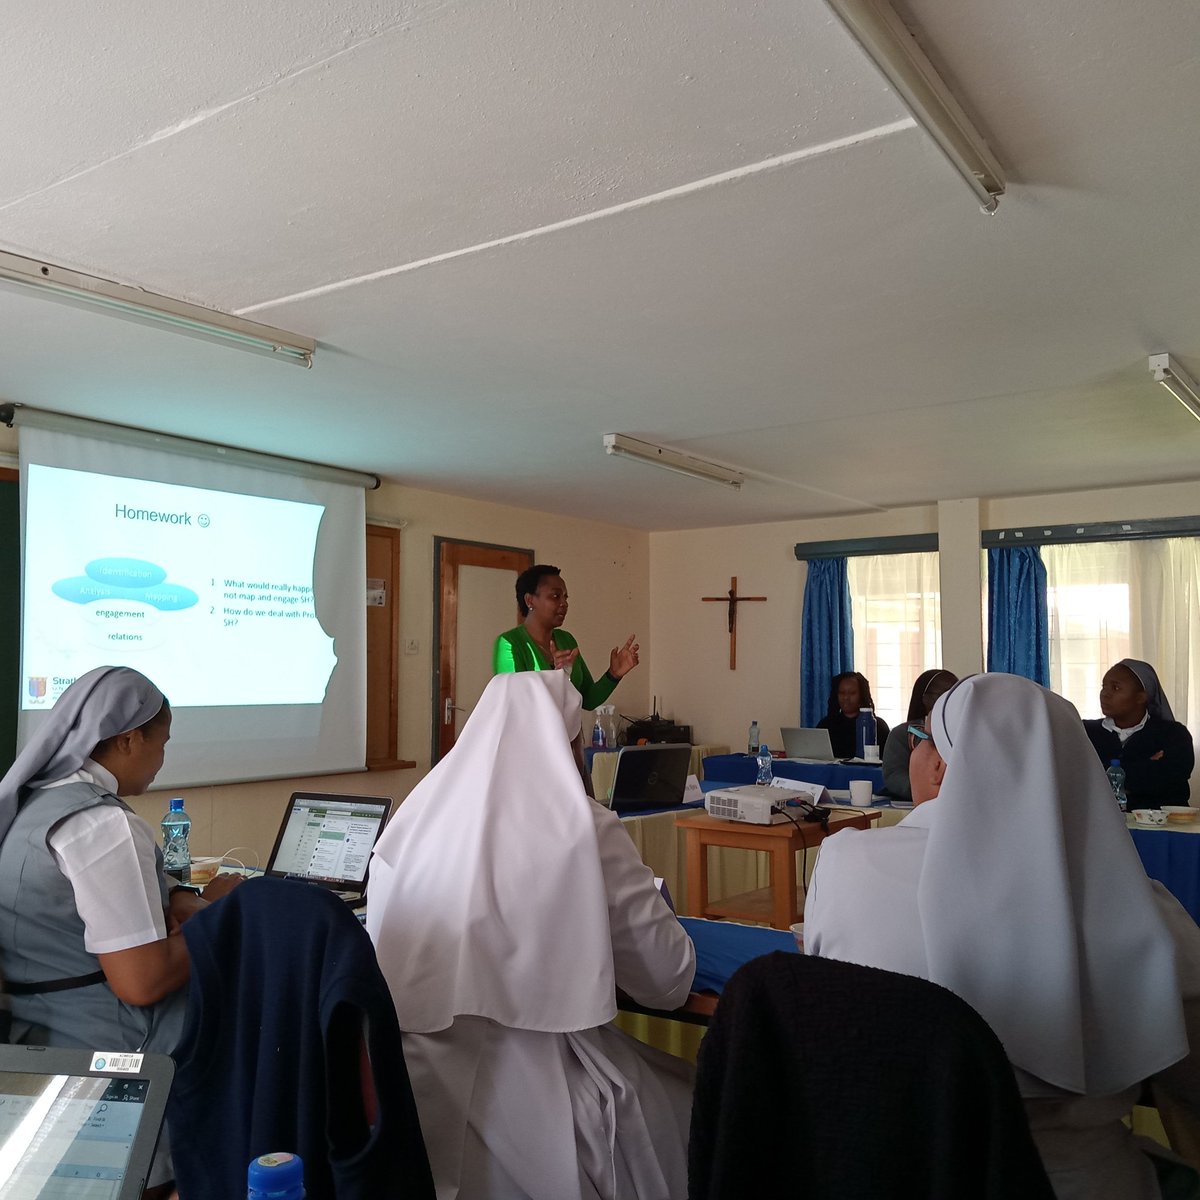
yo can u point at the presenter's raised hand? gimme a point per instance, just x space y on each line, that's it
622 659
564 660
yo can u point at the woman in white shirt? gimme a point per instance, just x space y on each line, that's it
1015 884
507 908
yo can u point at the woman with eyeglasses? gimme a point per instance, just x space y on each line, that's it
1014 883
848 692
927 688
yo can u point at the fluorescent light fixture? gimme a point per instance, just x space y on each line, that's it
1177 382
89 291
671 460
876 27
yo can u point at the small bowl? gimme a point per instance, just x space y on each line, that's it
1149 816
204 871
1180 814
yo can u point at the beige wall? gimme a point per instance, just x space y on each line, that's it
690 667
607 572
626 581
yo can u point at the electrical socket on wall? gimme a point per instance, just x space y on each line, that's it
411 646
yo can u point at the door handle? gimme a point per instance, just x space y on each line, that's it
449 709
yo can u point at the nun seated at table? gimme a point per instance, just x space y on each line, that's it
1014 883
507 908
1140 731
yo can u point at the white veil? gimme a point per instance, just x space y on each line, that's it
486 895
1034 904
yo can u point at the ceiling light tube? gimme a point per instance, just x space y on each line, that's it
89 291
876 27
624 446
1177 382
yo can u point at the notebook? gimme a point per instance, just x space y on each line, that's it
79 1124
650 777
812 744
327 840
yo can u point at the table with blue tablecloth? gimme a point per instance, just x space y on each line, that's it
736 769
1172 856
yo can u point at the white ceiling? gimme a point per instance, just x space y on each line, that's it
514 226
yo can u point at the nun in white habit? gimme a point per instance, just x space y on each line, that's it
506 909
1018 887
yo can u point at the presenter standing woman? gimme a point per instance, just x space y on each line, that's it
85 909
540 643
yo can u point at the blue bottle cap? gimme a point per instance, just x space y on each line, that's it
278 1176
177 804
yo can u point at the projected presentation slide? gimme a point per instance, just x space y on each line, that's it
208 593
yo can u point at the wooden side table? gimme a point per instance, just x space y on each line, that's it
779 904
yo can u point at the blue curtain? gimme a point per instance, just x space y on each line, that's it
1018 620
826 635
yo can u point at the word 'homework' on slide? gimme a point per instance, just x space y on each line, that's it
209 593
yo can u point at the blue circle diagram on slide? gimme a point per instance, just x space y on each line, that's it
125 579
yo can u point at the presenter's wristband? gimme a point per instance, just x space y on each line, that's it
184 887
609 675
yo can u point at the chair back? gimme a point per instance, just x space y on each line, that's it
822 1079
291 1044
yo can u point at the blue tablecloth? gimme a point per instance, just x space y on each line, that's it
722 947
1173 858
736 769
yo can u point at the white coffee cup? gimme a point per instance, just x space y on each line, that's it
860 792
871 753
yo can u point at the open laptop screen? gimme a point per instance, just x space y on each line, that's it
327 839
72 1129
652 776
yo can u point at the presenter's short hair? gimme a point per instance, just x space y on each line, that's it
528 582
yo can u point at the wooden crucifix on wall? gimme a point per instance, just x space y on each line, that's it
733 600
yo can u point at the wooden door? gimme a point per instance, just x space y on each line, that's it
475 602
383 647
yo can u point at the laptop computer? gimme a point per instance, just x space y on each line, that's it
327 840
812 744
650 777
79 1124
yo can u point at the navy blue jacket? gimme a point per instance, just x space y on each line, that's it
1149 782
284 983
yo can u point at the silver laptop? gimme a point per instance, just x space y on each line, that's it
79 1124
650 777
327 839
813 744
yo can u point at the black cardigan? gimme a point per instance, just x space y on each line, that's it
1149 782
893 1087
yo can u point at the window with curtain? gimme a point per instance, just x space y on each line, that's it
1114 600
895 602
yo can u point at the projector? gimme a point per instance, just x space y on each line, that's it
751 803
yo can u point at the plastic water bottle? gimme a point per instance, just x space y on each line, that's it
866 732
1116 780
764 766
599 741
752 740
176 826
277 1176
